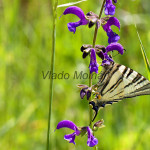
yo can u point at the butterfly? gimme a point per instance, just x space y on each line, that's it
117 82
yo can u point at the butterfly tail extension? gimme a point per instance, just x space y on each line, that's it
95 108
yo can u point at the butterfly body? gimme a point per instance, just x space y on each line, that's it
118 82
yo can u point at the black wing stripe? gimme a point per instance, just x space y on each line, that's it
114 86
121 78
145 90
141 81
115 70
117 94
138 76
145 87
104 74
129 73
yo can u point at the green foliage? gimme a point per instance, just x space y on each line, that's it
25 51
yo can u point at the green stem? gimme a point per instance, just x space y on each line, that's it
52 70
90 77
95 147
99 17
90 109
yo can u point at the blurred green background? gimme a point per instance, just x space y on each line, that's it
25 52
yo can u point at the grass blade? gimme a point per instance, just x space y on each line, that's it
70 4
144 54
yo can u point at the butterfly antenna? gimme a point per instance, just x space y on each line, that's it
118 53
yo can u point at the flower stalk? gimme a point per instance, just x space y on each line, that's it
90 74
96 29
90 109
93 50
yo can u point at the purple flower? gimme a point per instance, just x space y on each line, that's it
93 64
86 49
111 47
93 19
92 141
115 46
100 54
111 21
82 93
106 62
107 57
85 90
88 94
109 8
78 12
70 125
112 36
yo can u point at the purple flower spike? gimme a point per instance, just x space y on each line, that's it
92 141
70 125
109 8
93 64
111 21
112 37
78 12
115 46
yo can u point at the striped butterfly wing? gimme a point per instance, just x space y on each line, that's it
118 82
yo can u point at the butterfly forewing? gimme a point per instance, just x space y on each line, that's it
118 82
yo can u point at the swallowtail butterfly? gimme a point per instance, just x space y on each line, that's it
117 82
